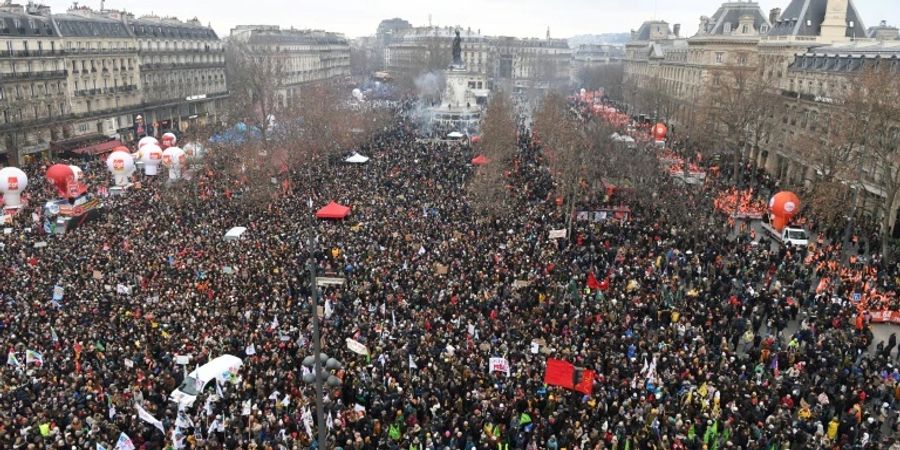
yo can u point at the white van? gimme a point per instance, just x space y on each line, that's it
221 367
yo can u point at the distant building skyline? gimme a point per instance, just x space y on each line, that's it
522 18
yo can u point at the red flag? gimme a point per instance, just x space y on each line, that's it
592 282
604 285
586 383
559 373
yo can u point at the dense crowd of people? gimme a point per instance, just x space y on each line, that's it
699 340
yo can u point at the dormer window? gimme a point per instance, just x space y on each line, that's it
745 29
764 28
726 27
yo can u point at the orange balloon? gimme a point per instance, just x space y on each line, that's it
660 131
782 207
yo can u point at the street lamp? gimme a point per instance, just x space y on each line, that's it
318 377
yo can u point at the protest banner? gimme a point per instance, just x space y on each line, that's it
357 347
499 365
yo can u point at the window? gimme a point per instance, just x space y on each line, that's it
720 57
726 27
745 29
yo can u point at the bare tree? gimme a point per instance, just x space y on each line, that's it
257 75
739 101
568 147
609 77
873 109
489 191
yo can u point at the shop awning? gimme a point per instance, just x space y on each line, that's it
98 149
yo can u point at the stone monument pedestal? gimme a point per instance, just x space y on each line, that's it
460 108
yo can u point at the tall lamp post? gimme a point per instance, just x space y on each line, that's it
319 377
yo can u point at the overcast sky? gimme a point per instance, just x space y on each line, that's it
523 18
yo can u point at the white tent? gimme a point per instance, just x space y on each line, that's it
356 158
455 135
235 233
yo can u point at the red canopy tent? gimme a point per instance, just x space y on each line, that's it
480 160
333 211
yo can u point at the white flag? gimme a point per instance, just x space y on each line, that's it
286 400
183 421
329 421
122 289
219 388
412 362
307 422
124 443
12 360
177 438
146 417
246 408
274 325
329 308
250 350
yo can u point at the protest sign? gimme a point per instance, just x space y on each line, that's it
499 365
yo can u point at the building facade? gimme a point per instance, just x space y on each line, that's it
307 56
666 75
80 78
182 67
587 56
806 54
34 83
513 63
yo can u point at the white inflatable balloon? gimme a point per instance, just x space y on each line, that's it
76 173
151 156
174 160
121 165
147 140
169 139
12 183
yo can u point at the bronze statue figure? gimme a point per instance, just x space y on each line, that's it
457 50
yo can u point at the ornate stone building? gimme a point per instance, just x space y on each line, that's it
514 63
74 80
182 67
308 55
34 86
807 54
526 64
666 75
103 74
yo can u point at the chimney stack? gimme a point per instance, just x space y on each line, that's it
676 29
773 15
834 25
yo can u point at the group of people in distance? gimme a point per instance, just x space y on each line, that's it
699 339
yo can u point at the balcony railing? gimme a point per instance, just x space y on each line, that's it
105 91
30 53
183 66
44 75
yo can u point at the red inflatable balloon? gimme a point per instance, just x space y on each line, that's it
660 131
60 175
782 207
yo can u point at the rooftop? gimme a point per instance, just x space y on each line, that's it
805 17
728 18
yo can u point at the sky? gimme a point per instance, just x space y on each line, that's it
521 18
